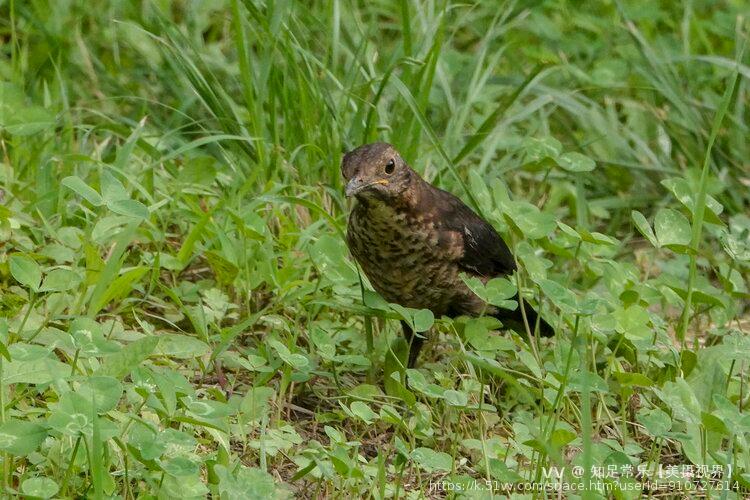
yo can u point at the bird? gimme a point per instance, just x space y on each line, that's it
413 241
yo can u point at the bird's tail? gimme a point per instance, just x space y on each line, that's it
514 320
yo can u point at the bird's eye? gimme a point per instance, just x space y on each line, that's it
390 166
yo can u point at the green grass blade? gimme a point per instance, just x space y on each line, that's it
111 269
409 98
699 208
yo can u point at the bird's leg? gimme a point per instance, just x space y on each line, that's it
415 343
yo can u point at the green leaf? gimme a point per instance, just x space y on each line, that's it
702 293
496 291
180 467
330 256
569 231
78 186
26 271
297 361
19 437
423 320
105 391
732 417
481 191
528 220
186 250
576 162
184 487
255 403
501 472
559 295
656 422
644 227
39 487
538 149
73 415
181 346
712 423
119 288
12 98
685 194
208 409
149 444
634 322
29 121
599 238
418 382
681 399
246 482
630 379
60 280
395 363
420 320
224 270
89 339
561 437
581 381
121 363
456 398
363 411
38 371
111 269
334 434
584 235
672 229
431 460
130 208
3 334
112 189
478 335
28 352
535 265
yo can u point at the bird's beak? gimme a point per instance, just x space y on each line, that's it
356 185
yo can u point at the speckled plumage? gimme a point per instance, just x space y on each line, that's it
413 240
409 260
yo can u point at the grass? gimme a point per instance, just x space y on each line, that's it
179 314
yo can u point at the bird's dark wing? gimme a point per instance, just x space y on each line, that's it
484 251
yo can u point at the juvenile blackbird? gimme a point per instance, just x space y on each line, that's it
413 240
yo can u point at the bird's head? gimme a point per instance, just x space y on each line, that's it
375 171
